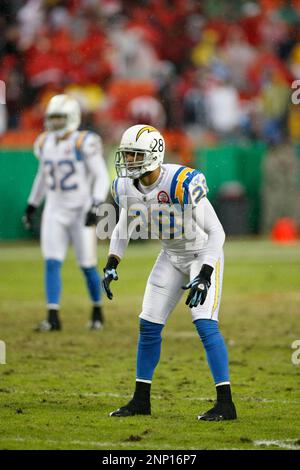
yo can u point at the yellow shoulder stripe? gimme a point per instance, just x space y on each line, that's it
80 138
179 190
41 140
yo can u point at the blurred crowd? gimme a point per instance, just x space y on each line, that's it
202 70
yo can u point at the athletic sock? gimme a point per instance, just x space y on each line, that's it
97 314
224 393
53 316
52 282
215 348
93 282
148 351
142 392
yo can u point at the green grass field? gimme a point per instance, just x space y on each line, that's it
57 389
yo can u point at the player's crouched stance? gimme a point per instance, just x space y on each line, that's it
72 177
195 266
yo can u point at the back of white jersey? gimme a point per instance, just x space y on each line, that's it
65 172
169 206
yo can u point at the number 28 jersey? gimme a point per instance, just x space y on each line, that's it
169 203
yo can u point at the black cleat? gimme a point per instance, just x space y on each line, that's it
222 411
45 325
51 324
97 319
131 409
95 325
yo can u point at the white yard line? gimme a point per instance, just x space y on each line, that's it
155 397
284 444
75 442
60 443
289 444
99 444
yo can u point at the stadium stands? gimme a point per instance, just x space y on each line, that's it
180 53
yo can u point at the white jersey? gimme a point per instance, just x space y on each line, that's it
176 202
72 173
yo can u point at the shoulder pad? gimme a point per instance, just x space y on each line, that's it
115 191
198 188
79 142
181 180
39 144
87 144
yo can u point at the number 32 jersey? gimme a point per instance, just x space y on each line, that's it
72 172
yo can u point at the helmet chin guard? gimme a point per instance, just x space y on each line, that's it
141 150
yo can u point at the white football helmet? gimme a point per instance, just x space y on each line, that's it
63 115
142 149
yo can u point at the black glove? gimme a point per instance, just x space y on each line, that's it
199 287
110 274
91 216
27 218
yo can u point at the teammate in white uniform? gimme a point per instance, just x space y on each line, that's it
171 199
73 179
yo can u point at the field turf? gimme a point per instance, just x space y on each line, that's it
57 389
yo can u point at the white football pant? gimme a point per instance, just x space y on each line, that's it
61 227
163 290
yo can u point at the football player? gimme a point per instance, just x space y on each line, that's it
73 179
184 264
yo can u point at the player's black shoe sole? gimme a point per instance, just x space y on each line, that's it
220 412
132 408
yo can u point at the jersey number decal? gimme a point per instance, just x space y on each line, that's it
51 176
158 143
69 171
199 191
